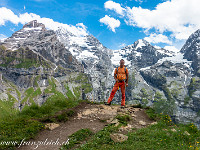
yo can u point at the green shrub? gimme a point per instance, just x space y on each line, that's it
70 113
123 119
62 117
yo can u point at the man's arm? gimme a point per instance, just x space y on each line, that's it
115 75
127 77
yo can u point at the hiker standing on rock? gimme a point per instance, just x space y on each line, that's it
121 78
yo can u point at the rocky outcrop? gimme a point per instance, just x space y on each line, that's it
191 51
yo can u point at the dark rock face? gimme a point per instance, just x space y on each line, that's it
154 78
191 51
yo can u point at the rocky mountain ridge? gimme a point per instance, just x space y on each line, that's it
166 80
35 66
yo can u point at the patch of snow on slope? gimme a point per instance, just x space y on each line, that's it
178 58
85 54
117 57
140 44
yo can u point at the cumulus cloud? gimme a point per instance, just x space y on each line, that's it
158 38
112 23
114 6
8 15
2 37
179 17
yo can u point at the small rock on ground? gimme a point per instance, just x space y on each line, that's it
117 137
51 126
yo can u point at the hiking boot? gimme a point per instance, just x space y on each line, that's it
106 103
122 107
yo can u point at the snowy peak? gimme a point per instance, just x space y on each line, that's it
28 31
140 43
34 25
82 47
44 43
193 43
130 53
141 50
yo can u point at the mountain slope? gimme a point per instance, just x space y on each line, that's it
35 67
160 78
94 57
44 42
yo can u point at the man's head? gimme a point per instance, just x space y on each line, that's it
121 63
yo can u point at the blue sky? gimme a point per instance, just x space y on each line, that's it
115 23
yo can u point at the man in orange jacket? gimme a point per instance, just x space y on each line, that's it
121 78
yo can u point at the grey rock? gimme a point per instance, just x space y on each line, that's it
118 137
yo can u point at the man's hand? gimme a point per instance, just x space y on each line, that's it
126 84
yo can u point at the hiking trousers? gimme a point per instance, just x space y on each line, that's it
117 85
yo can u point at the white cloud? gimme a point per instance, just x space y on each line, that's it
180 17
158 47
81 26
171 48
114 6
112 23
122 45
158 38
8 15
2 37
12 29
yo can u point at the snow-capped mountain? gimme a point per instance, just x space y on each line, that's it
154 72
95 59
28 30
43 42
158 70
141 50
33 59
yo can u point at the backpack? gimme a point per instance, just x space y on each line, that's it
124 69
117 71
